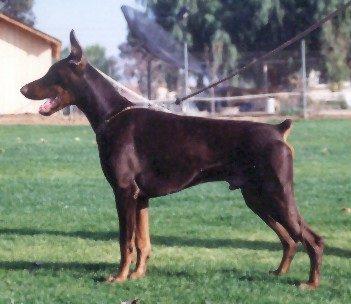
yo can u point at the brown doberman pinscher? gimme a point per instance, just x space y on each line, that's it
146 153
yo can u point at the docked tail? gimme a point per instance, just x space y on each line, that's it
285 128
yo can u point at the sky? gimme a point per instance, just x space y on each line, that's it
94 21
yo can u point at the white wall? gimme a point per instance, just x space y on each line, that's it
23 58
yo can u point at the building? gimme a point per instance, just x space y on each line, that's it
25 55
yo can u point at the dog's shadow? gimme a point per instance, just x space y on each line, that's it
172 241
94 270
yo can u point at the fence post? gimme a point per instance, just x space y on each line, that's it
186 68
304 79
149 78
265 76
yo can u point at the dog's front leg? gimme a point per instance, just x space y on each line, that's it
126 208
142 239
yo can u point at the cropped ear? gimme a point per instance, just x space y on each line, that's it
76 50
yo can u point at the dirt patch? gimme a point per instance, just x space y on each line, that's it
33 119
335 114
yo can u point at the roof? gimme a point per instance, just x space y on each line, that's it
54 43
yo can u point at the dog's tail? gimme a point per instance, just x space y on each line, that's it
285 128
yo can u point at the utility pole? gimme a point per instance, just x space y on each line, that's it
182 18
265 76
186 68
149 78
304 79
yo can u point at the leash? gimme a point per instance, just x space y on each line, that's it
303 34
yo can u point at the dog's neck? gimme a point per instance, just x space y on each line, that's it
101 97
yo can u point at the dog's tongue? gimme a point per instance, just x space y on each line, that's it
47 107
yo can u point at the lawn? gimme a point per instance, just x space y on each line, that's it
58 227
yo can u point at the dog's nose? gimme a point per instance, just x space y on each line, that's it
24 90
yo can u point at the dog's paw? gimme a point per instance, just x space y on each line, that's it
308 286
276 272
136 275
116 279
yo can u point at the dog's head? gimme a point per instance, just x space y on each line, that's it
59 85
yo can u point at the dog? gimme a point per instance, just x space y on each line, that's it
146 153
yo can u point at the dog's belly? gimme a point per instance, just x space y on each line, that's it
234 175
153 185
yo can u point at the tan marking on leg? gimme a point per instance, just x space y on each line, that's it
142 241
126 207
289 247
314 245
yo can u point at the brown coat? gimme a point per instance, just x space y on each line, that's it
146 153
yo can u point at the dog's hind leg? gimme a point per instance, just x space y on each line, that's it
278 196
142 239
314 245
289 245
299 231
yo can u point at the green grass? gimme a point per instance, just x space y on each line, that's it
58 227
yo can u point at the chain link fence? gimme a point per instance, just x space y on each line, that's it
279 86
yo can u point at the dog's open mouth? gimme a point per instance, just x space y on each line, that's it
50 106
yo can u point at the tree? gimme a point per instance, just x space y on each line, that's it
96 55
336 42
203 31
20 10
226 33
255 26
251 24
